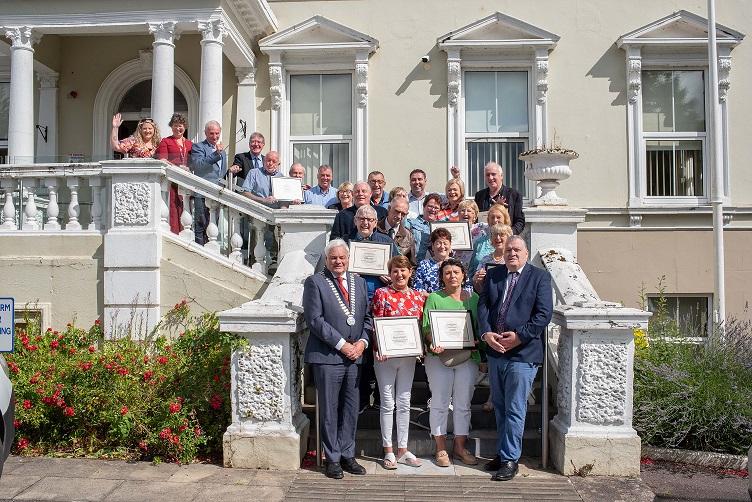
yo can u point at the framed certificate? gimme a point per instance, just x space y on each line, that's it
287 189
369 258
451 329
490 266
398 336
460 230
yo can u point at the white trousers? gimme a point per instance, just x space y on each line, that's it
450 385
395 378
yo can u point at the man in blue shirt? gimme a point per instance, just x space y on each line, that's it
377 182
258 184
322 194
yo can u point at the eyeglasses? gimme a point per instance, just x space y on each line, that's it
432 208
144 121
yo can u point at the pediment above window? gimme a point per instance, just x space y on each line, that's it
318 35
498 31
680 29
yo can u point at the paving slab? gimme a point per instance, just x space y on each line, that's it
61 488
211 492
137 471
598 488
194 473
65 467
140 491
13 484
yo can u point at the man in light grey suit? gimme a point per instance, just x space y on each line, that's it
208 161
339 323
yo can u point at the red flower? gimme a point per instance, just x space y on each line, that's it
216 401
215 378
54 344
124 410
27 404
146 359
13 367
32 347
23 443
69 411
49 330
143 445
16 424
72 351
197 431
162 360
165 433
122 370
182 428
34 379
86 366
175 407
97 322
92 349
175 439
147 375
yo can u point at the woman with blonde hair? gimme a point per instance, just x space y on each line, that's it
455 193
344 197
468 211
141 144
497 214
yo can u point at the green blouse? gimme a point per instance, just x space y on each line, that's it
439 300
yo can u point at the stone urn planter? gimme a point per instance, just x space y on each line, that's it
549 167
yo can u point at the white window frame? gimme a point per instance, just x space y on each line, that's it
709 307
465 52
290 52
322 138
4 79
646 49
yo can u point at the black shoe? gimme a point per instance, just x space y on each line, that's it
506 472
333 470
352 466
494 464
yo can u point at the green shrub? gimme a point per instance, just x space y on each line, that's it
163 398
694 396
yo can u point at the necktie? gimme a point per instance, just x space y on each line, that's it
500 321
391 232
255 162
341 283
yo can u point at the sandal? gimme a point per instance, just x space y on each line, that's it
409 459
390 461
466 457
442 459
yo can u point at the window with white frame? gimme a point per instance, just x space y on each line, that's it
497 125
673 122
321 123
4 117
691 312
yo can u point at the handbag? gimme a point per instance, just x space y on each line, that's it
454 357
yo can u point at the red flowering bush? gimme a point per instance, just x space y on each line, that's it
165 397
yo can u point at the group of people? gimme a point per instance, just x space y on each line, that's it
510 306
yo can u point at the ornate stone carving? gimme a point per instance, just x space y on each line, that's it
454 73
724 80
541 80
22 37
635 220
727 218
246 75
212 31
132 203
634 78
145 58
601 383
48 80
361 84
564 389
164 32
277 86
261 382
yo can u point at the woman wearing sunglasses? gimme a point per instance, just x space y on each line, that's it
142 144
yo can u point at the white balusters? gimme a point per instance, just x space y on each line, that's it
186 219
96 203
73 208
164 213
212 231
9 209
259 251
53 210
30 221
236 240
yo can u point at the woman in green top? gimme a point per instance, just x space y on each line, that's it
451 380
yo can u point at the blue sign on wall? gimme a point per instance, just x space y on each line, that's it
7 324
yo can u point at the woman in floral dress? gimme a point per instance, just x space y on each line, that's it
142 144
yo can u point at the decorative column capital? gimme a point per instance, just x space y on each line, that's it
22 37
48 80
164 33
246 75
212 31
634 78
277 85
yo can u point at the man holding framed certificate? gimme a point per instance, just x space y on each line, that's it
514 309
339 321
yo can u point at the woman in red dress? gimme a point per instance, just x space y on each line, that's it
175 150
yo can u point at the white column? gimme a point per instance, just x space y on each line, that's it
361 115
454 118
246 106
20 113
634 126
277 92
163 74
541 90
210 101
47 146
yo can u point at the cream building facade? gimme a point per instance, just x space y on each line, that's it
393 86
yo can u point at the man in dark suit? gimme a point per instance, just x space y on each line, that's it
339 322
252 159
344 222
394 226
514 310
497 193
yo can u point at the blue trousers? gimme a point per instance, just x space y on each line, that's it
511 382
337 388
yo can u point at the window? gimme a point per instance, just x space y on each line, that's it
497 127
321 123
689 312
673 119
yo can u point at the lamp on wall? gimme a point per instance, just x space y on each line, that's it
243 127
43 131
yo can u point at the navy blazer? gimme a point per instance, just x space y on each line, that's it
529 313
327 323
207 163
344 222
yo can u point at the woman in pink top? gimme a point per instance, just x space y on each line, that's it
142 144
395 374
